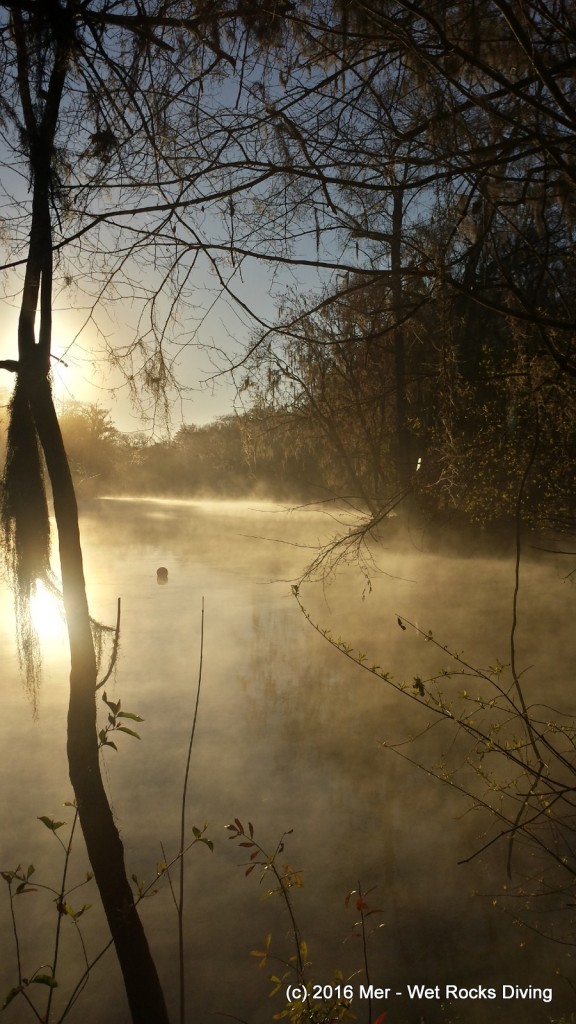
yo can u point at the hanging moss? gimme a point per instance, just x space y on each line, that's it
24 508
26 528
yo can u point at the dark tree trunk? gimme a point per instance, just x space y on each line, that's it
41 109
103 842
403 467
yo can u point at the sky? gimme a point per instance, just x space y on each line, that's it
212 333
81 371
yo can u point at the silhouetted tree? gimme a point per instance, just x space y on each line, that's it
87 97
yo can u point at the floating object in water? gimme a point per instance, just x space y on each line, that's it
162 574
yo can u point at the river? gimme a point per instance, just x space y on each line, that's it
289 737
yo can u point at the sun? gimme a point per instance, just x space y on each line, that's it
47 612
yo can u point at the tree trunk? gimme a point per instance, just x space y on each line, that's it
103 842
38 34
403 467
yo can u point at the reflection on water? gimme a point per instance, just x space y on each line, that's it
289 737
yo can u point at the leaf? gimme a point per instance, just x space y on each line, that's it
124 728
50 823
130 715
115 708
249 870
11 995
78 913
45 979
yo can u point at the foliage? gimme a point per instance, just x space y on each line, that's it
512 761
19 883
307 1002
94 446
22 881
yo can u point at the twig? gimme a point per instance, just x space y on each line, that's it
183 828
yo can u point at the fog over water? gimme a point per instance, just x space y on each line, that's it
290 736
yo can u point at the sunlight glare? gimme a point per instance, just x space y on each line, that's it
47 612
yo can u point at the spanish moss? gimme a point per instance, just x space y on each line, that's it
26 529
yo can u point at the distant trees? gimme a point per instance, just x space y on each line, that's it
94 446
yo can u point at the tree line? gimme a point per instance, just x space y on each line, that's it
333 440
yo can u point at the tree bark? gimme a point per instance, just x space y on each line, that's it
103 842
403 467
105 851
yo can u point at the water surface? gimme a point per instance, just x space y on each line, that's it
289 736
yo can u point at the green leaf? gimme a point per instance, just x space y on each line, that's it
11 995
115 708
124 728
45 979
78 913
50 823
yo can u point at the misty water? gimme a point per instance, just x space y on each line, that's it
289 736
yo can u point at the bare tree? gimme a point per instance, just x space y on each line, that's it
86 99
